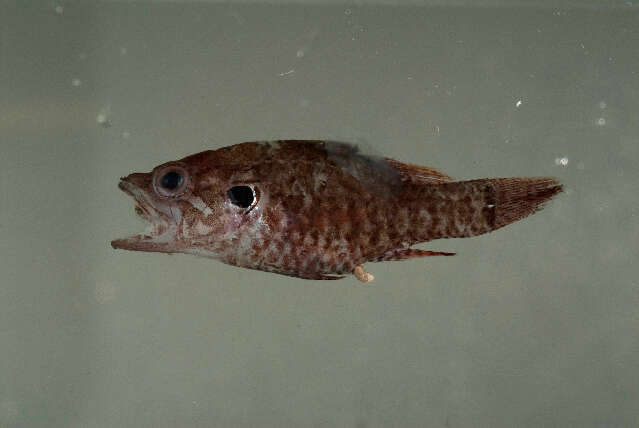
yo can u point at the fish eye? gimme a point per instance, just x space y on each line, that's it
242 196
170 182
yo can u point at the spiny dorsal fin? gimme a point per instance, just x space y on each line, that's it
418 174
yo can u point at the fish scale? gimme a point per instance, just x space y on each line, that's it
317 209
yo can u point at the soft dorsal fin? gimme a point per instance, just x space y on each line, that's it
418 174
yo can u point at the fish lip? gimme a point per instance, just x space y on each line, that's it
161 230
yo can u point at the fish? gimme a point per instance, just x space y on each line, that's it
316 209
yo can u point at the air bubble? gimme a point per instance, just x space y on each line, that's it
562 161
601 121
76 82
103 118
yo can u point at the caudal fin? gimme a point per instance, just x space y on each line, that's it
516 198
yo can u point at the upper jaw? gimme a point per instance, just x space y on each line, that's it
161 233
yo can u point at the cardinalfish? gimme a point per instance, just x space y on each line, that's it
316 209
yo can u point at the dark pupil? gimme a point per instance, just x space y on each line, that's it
242 196
171 180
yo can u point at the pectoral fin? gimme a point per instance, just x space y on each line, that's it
362 275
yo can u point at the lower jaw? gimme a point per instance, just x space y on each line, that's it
161 243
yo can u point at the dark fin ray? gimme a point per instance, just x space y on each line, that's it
410 253
325 277
269 267
418 174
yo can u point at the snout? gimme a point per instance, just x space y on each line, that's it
137 179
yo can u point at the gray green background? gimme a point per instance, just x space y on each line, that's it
534 325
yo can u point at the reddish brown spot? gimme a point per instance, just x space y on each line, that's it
315 236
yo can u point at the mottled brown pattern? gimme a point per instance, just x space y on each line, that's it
322 209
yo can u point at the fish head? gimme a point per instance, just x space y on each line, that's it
202 204
158 200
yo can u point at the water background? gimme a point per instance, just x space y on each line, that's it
534 325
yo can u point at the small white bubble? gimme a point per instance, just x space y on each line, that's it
76 82
103 117
300 53
123 50
562 161
59 9
348 12
518 103
126 134
602 105
601 121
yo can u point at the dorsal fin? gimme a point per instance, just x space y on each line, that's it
418 174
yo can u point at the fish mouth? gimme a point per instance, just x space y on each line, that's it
161 231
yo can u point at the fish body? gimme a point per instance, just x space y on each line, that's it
315 209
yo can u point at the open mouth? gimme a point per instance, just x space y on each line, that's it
159 233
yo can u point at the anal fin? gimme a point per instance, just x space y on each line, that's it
409 253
